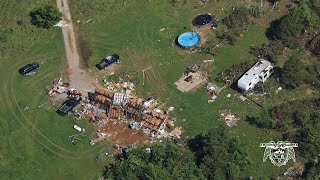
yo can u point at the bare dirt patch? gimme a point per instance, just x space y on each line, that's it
119 133
310 92
85 51
79 77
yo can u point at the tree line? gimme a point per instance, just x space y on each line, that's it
214 155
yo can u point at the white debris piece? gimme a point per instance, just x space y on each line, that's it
61 24
77 128
171 108
243 98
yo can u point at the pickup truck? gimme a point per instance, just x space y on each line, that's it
69 105
108 61
29 68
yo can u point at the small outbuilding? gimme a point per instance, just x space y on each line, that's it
259 72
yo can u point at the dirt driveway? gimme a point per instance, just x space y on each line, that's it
79 77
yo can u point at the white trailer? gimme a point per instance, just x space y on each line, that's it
257 73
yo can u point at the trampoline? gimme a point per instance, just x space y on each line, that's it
202 19
188 39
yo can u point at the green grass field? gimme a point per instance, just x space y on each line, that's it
35 143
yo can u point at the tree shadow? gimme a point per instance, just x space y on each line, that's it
196 146
273 30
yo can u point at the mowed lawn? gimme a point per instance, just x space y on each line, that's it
34 139
133 31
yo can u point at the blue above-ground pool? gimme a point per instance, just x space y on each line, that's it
188 39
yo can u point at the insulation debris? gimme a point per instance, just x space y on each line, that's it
230 119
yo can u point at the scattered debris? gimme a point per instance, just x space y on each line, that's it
59 87
74 138
176 132
78 116
88 21
215 23
212 87
116 105
259 90
191 79
148 150
62 24
170 124
294 171
229 95
213 90
26 108
211 101
230 119
278 90
77 128
209 60
170 109
242 98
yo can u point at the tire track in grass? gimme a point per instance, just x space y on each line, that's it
41 76
10 107
41 134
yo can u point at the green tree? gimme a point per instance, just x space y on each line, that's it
314 45
303 116
310 137
219 156
233 171
315 5
313 173
166 161
292 25
45 17
238 18
269 51
293 73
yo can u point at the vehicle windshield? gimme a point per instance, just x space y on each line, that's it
71 102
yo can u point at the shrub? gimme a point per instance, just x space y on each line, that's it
269 51
239 18
293 73
45 17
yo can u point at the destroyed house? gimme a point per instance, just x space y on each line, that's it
154 121
135 110
259 72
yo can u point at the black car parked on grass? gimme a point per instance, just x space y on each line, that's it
69 105
29 68
108 61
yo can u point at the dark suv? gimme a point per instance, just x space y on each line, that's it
29 68
69 105
108 61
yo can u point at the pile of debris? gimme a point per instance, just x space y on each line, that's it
119 102
230 119
213 90
175 133
294 171
191 79
59 87
259 90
